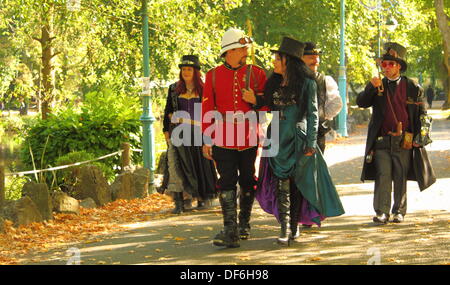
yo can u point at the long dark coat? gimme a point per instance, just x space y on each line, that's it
421 170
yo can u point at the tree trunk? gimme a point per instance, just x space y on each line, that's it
445 31
45 110
48 72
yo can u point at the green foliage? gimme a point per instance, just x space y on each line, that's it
14 185
14 124
100 46
103 40
102 124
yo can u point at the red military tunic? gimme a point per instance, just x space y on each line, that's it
225 96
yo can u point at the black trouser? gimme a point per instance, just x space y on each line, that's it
321 132
392 164
235 166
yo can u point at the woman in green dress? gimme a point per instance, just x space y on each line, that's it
294 183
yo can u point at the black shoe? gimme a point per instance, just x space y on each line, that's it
381 219
398 218
179 206
295 233
219 239
201 205
161 189
284 238
286 241
222 240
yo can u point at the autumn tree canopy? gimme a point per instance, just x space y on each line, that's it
57 51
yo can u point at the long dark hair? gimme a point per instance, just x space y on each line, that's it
198 83
296 72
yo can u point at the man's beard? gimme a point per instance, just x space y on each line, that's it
243 61
314 67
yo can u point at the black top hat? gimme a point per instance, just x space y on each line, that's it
395 52
190 60
311 49
291 47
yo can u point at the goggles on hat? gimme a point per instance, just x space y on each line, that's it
314 51
187 62
391 64
242 41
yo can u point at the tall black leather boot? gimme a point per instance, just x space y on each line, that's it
296 199
283 203
246 199
179 203
230 236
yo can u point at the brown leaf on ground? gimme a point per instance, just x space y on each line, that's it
67 228
243 258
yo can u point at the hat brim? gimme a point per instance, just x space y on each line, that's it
285 52
403 64
191 65
233 46
313 53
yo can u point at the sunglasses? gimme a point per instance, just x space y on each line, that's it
388 64
242 41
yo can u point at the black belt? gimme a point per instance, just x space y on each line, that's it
386 142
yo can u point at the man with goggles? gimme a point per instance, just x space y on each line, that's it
397 105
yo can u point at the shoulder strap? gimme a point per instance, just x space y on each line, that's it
250 75
399 124
390 105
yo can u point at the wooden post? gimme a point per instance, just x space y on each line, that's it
125 155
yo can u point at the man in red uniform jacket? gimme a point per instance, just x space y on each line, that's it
230 130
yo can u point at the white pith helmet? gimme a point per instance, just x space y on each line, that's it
234 38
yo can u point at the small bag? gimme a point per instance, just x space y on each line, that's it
423 137
407 140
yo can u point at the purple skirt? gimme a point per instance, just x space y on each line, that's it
267 198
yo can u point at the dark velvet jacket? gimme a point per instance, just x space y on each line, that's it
421 170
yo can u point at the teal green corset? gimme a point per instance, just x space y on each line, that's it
294 132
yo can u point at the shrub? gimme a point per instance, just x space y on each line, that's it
103 123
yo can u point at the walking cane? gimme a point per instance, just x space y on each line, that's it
380 72
249 27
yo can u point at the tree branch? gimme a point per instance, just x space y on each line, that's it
37 39
55 54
